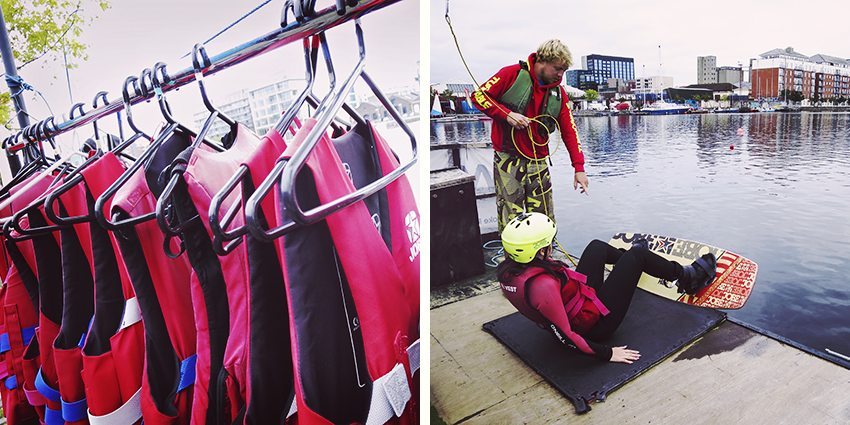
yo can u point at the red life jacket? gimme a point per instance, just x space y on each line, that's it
48 261
270 390
162 288
19 317
113 354
580 301
219 285
357 274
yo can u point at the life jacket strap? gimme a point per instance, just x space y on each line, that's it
187 372
129 413
11 382
391 392
34 397
26 333
53 417
45 389
75 411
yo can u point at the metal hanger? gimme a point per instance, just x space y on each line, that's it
219 227
165 216
146 85
288 198
76 178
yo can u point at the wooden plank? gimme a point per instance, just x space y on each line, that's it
732 375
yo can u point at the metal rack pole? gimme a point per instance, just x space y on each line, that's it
324 20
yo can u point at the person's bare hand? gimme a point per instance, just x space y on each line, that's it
580 179
517 120
624 355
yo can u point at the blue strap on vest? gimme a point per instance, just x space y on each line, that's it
187 372
76 411
53 417
11 382
83 338
27 333
46 390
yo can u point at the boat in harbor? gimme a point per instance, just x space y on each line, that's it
662 107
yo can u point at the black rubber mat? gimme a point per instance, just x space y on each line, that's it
655 326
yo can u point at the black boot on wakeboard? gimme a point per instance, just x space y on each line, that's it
698 274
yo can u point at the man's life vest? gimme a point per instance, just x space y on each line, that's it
519 95
582 305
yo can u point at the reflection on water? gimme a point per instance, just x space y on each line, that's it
778 194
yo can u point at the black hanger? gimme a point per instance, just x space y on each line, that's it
233 237
168 221
325 112
76 178
324 116
147 86
38 132
218 227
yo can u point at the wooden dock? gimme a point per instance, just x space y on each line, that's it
731 375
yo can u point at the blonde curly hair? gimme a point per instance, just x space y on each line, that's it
554 51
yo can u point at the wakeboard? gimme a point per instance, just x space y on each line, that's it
730 289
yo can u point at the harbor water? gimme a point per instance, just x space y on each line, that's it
777 192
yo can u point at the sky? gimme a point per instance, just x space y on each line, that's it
133 35
496 33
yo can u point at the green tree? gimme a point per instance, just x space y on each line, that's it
590 95
39 28
447 94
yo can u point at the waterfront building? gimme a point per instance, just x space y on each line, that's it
581 79
603 67
235 106
269 102
730 74
706 69
817 77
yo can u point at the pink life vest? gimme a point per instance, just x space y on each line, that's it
374 284
580 301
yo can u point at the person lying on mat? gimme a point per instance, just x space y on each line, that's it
580 307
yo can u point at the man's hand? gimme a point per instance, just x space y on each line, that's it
623 355
580 179
517 120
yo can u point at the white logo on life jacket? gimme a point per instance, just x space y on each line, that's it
377 220
411 220
509 288
347 169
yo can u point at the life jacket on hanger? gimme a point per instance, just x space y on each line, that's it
18 315
359 267
162 289
582 305
219 284
48 261
113 354
270 388
78 307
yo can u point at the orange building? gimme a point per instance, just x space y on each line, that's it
818 77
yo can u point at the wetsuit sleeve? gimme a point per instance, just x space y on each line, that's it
485 98
570 134
544 294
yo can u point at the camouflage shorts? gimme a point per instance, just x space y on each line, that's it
521 185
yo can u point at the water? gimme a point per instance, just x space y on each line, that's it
779 195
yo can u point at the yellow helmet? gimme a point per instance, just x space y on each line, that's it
526 234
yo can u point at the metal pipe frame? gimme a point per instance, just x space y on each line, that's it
323 20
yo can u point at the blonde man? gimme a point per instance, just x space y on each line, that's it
515 94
